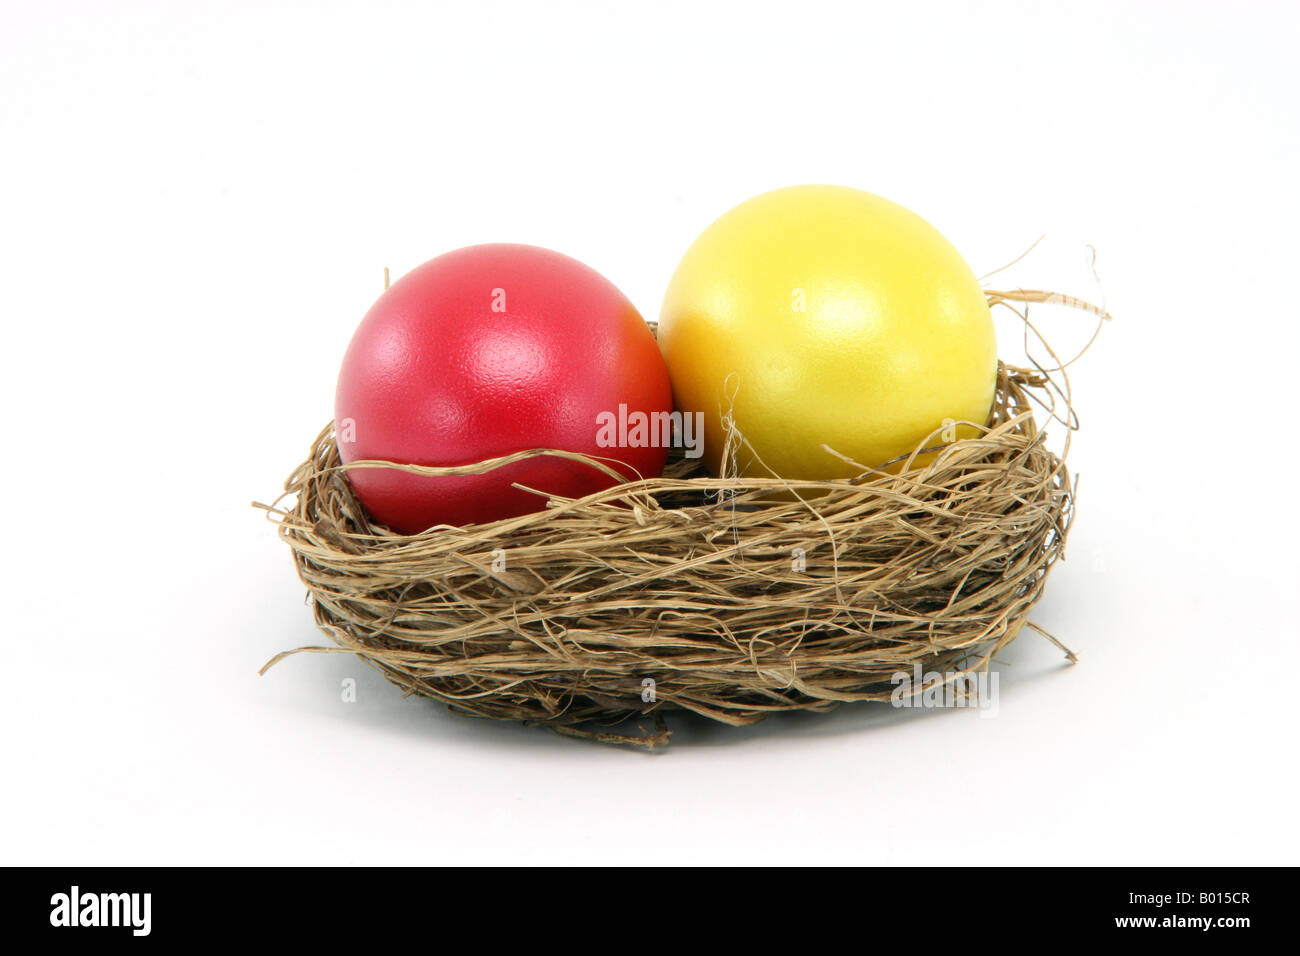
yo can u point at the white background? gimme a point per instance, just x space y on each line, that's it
196 203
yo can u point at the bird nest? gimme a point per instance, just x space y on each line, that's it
733 598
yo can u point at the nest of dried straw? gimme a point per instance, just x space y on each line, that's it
686 592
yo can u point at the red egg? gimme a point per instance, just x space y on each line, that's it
486 351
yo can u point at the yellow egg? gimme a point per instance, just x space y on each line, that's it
826 315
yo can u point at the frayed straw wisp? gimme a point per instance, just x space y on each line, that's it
686 592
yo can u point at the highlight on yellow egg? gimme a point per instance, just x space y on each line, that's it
824 316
